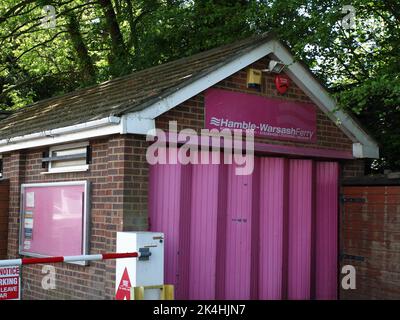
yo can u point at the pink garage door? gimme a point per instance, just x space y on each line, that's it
204 216
270 235
273 228
300 229
326 226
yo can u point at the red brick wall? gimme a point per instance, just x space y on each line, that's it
353 168
4 197
371 230
113 175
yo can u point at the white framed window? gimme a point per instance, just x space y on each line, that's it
68 158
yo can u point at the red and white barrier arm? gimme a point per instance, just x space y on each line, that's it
88 257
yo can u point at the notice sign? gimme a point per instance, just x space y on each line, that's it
9 283
30 199
269 118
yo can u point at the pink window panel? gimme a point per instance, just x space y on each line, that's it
56 215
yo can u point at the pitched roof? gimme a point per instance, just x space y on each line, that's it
125 94
4 114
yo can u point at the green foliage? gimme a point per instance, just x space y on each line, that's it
95 40
377 105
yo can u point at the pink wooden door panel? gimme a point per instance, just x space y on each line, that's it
300 229
183 275
238 236
327 229
203 231
273 220
164 209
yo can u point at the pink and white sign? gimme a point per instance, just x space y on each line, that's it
269 118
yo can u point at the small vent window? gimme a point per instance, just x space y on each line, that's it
68 158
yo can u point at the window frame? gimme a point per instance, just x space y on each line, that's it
85 220
74 168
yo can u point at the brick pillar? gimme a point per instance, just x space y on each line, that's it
14 166
127 179
136 181
4 197
115 178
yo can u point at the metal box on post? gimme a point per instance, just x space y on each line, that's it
142 271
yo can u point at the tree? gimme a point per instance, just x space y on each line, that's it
95 40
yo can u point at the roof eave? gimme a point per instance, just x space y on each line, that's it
96 128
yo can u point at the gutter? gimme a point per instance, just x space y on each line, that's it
104 126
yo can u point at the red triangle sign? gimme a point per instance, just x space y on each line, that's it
124 288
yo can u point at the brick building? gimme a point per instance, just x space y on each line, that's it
98 135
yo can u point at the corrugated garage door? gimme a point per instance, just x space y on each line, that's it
270 235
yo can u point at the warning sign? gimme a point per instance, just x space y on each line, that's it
9 283
124 288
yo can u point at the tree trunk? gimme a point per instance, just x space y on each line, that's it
119 56
87 67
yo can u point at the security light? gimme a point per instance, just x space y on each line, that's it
275 66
